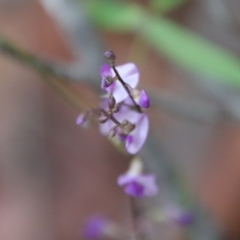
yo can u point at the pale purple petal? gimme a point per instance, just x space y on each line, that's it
124 179
94 227
106 127
184 219
81 119
138 185
179 216
134 189
144 100
149 181
119 92
105 71
130 75
139 135
132 80
122 138
129 141
127 69
107 89
128 72
128 114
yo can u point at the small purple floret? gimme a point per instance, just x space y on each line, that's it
179 216
110 55
81 119
105 71
134 189
183 219
144 100
94 228
128 72
142 185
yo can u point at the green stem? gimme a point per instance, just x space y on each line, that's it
28 59
45 70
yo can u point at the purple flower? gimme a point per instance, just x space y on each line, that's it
139 185
140 97
94 227
184 219
82 119
137 137
177 215
128 72
144 100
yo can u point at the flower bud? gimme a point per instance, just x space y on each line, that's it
107 81
141 98
110 55
116 108
125 128
144 100
111 102
137 184
112 133
82 119
102 118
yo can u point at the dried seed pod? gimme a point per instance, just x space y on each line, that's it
107 81
111 102
112 133
116 108
102 118
110 55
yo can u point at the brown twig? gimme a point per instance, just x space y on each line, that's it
111 117
138 108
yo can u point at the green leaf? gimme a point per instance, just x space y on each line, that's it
166 5
191 51
115 15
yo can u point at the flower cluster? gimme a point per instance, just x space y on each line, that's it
121 117
123 103
137 184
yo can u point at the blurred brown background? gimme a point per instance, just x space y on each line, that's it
54 174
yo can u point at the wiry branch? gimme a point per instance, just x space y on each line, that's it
82 38
29 59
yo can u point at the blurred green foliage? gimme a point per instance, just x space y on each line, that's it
178 44
166 5
191 51
114 15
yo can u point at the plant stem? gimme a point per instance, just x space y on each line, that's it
138 108
134 218
111 117
28 59
45 70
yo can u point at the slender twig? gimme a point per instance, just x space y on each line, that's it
82 39
45 70
138 108
134 218
29 59
111 117
67 94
